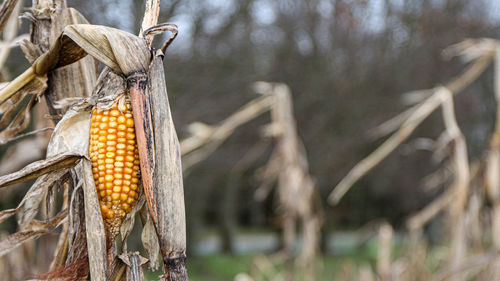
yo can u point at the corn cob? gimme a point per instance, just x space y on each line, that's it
115 161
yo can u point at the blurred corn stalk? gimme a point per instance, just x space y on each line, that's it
464 204
62 72
298 203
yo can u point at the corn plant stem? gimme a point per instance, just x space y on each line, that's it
15 85
425 109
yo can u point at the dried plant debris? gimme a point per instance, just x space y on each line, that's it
131 68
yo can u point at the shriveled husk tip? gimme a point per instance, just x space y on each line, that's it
121 51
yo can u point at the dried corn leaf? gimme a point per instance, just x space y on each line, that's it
160 158
29 206
41 167
75 80
96 240
121 51
33 231
150 240
111 46
16 111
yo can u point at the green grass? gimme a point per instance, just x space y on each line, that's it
226 267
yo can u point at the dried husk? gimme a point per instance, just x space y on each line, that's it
160 158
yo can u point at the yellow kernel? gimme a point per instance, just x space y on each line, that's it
110 154
118 169
117 182
122 127
136 168
128 115
111 137
116 189
129 164
102 138
118 164
112 131
135 180
104 112
109 178
130 158
102 193
104 119
101 145
104 209
113 124
119 158
118 176
108 193
103 126
127 176
102 150
121 146
121 119
115 196
123 196
109 167
122 140
125 189
131 129
121 134
131 142
101 186
109 161
130 136
101 168
125 206
120 151
130 200
132 193
126 182
114 112
128 171
110 214
111 143
133 186
103 133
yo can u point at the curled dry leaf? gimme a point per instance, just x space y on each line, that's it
16 112
34 230
111 46
149 239
41 167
